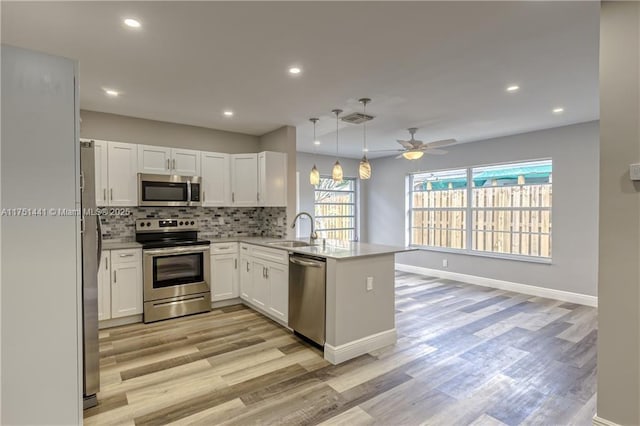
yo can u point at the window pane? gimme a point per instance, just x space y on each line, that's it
335 209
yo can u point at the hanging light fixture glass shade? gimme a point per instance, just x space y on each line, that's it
365 168
337 172
314 176
412 155
337 168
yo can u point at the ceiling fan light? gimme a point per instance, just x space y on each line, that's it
314 176
337 172
365 168
412 155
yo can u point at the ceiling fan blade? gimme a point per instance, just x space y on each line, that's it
399 156
434 151
443 142
406 144
387 150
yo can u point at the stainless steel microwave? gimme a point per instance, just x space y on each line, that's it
168 190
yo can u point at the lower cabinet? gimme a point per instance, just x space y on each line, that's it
224 276
264 280
120 284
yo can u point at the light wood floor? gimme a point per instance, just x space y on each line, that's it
465 355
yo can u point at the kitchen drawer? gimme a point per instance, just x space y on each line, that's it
245 249
126 256
273 255
224 248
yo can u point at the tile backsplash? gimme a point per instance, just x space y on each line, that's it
216 222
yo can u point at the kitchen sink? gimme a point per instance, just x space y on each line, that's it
288 243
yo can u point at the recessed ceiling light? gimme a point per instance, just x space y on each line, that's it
111 92
513 88
558 110
316 142
365 149
228 113
133 23
295 70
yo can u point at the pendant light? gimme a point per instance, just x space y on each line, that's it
337 168
364 170
314 175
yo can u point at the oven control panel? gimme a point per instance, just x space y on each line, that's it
166 225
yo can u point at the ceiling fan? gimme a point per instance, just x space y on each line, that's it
414 149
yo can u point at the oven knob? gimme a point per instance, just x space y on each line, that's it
180 223
193 223
148 223
142 224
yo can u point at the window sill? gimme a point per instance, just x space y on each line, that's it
498 256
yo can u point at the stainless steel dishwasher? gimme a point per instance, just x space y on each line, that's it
307 289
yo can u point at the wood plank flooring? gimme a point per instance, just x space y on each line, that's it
466 355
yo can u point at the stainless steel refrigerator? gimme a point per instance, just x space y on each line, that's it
91 250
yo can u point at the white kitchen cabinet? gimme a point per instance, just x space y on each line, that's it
264 280
185 162
122 174
154 159
104 286
102 172
246 275
244 180
278 278
272 179
126 282
216 179
168 161
224 275
260 284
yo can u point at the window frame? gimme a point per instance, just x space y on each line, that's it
469 210
355 204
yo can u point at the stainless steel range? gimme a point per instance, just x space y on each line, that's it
176 268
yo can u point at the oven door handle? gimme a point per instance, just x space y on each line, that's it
174 250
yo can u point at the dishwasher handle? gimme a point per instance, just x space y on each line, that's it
306 262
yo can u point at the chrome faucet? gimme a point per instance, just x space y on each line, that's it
313 236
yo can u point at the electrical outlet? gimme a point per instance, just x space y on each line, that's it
445 263
369 283
221 221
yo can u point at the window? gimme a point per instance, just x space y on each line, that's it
335 209
505 211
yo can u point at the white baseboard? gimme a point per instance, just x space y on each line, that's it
599 421
229 302
341 353
565 296
116 322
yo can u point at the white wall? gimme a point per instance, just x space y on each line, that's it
619 275
574 150
41 340
120 128
324 163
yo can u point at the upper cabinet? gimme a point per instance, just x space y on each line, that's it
244 180
168 161
216 179
116 168
272 179
122 165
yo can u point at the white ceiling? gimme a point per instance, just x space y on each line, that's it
439 66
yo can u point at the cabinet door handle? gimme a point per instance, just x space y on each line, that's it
111 194
233 197
104 194
204 196
258 196
247 266
168 164
266 273
114 277
126 255
106 263
236 264
174 164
